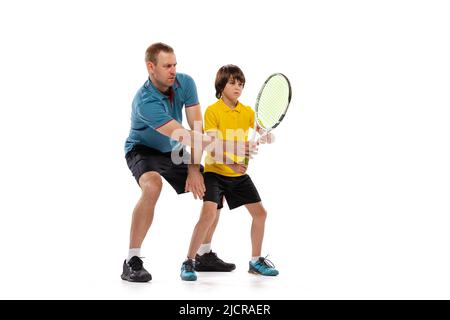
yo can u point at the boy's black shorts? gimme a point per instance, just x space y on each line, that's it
142 159
236 190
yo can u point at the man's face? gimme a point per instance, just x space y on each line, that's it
164 71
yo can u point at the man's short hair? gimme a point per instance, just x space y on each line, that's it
152 52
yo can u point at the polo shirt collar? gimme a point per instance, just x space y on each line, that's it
226 108
149 84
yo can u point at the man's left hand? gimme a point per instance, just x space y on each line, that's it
195 182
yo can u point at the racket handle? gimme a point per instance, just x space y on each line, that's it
252 138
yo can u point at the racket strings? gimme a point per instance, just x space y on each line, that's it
271 108
273 101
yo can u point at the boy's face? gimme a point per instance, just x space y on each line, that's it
233 89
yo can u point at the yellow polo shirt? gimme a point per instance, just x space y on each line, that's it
229 124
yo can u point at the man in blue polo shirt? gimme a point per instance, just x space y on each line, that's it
156 115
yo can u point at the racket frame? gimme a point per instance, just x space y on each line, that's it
257 123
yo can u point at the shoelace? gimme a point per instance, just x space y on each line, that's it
266 262
136 263
212 256
189 266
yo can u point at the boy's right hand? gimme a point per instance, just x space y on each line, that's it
238 168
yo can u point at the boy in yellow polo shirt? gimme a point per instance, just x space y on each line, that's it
228 119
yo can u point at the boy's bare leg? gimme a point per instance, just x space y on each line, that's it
259 215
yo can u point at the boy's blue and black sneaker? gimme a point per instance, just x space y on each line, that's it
263 267
211 262
134 271
187 271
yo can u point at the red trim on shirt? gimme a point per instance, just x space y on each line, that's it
163 124
171 95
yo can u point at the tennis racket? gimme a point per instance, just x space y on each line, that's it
271 104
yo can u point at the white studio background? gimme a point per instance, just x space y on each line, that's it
356 186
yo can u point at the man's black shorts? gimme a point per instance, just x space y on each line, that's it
142 159
236 190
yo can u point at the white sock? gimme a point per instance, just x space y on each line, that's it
254 259
204 248
134 252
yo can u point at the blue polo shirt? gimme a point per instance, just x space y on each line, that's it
151 109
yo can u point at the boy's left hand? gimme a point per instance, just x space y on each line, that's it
267 138
238 167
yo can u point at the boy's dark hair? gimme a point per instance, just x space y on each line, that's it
152 52
225 73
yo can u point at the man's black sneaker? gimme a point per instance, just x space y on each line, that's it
210 262
134 271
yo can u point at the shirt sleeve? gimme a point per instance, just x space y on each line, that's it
190 93
211 120
153 114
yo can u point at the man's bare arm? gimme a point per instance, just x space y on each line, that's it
176 131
